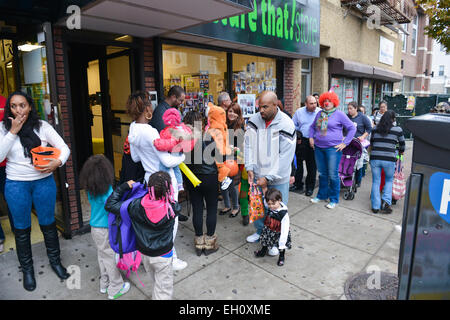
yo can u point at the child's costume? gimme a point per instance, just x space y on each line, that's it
217 128
153 223
276 229
176 137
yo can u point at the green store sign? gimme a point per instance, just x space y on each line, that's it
288 25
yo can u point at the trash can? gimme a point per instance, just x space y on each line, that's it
424 258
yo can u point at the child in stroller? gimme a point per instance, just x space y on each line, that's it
347 167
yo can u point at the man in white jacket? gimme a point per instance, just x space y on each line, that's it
269 149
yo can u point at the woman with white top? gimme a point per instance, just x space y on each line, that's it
141 138
20 132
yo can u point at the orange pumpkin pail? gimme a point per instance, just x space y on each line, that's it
40 153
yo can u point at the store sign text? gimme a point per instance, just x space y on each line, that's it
283 25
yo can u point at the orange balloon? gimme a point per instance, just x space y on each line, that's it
233 166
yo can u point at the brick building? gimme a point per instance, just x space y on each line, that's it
417 54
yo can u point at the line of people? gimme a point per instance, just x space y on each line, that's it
271 139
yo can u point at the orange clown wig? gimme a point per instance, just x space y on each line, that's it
331 96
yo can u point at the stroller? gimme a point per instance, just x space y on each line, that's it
347 168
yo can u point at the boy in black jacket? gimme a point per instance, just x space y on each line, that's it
153 221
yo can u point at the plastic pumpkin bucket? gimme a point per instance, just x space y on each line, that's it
40 153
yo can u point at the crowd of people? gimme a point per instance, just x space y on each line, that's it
261 147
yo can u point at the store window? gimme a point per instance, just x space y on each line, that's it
306 79
404 37
200 72
253 74
33 79
346 89
367 94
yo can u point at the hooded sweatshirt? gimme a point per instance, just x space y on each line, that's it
218 128
141 138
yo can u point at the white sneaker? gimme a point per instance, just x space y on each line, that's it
331 205
178 264
315 200
103 290
226 183
253 238
125 288
273 251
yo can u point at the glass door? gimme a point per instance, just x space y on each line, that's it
119 88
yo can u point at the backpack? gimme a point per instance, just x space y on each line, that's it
122 238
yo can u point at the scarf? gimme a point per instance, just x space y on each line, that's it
29 139
322 122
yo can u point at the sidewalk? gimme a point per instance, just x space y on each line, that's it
329 246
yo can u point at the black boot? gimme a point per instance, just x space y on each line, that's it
281 258
52 244
261 253
23 247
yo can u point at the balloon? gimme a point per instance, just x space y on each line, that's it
189 174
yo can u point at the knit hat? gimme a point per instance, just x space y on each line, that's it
172 117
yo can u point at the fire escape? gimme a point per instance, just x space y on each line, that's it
391 11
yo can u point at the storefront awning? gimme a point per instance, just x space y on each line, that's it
350 68
149 18
356 69
387 75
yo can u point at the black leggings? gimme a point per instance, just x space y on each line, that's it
208 190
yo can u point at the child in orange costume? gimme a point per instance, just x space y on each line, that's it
217 128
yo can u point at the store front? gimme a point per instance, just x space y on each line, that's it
353 81
204 73
247 54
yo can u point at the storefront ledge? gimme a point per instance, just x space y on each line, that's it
383 74
350 68
356 69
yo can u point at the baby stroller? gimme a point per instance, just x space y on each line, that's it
347 167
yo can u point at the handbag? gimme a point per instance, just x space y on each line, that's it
399 184
255 204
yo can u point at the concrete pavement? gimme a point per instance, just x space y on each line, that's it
329 246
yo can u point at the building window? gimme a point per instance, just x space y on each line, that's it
414 35
441 71
404 37
201 72
306 79
346 89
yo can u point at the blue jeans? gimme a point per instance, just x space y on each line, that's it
284 189
176 171
389 170
231 191
20 195
2 191
327 161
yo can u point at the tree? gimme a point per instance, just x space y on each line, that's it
439 20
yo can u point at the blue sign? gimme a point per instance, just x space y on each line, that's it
439 192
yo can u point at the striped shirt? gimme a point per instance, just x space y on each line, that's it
385 147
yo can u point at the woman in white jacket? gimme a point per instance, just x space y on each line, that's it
141 138
27 185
